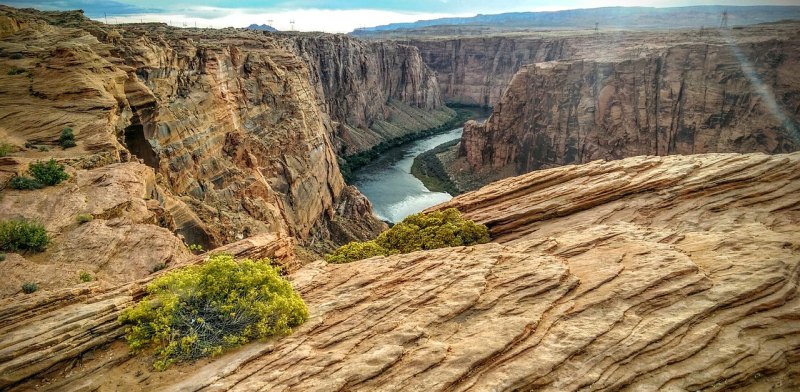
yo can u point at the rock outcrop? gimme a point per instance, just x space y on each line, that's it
649 273
372 91
476 71
736 96
227 120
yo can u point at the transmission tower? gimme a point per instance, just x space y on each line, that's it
723 23
291 22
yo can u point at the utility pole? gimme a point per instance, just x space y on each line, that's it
723 24
106 17
291 22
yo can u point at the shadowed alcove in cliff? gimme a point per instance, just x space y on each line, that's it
137 143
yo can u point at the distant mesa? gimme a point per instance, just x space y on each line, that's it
262 27
610 17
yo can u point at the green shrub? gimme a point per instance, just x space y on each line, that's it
356 251
201 310
16 71
15 56
196 248
85 276
29 287
5 149
434 230
2 257
48 173
67 138
20 234
43 149
84 218
24 183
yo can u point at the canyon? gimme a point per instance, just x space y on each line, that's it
564 97
642 192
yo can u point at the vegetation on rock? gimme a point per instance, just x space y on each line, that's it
67 138
85 276
439 229
48 173
29 287
199 311
84 218
21 234
5 149
24 183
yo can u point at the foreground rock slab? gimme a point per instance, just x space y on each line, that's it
649 273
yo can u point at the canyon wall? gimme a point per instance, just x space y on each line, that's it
476 71
648 273
685 99
372 91
227 120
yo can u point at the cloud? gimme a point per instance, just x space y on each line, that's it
332 21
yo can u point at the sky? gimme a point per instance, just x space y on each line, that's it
328 15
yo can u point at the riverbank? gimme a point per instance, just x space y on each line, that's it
428 168
351 163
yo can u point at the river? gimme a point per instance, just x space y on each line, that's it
387 182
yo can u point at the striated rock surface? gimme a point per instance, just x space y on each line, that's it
648 273
476 71
372 91
227 120
735 96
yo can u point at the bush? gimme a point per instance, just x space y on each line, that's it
157 267
5 149
16 71
2 257
356 251
48 173
15 56
24 183
196 248
435 230
85 277
84 218
201 310
67 138
20 234
29 287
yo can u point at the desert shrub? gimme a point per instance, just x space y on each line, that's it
43 149
24 183
2 257
67 138
434 230
196 248
16 71
201 310
29 287
48 173
85 276
21 234
15 56
84 218
5 149
157 267
356 251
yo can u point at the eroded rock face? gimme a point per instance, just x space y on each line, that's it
476 71
228 120
372 91
688 99
648 273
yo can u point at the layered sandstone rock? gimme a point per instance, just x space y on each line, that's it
476 71
649 273
227 120
735 96
372 91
